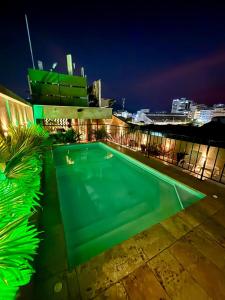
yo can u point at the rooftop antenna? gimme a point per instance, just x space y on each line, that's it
99 92
123 103
54 65
69 64
40 65
82 71
28 33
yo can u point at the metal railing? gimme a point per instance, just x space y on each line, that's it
204 161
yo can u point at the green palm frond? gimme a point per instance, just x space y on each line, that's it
20 168
4 149
27 139
17 199
18 244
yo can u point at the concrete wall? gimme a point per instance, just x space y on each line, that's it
71 112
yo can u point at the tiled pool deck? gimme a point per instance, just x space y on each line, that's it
182 257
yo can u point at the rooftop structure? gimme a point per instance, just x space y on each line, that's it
53 88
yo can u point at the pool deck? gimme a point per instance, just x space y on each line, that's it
182 257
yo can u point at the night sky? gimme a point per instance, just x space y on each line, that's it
147 53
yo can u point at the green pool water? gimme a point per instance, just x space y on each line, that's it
106 197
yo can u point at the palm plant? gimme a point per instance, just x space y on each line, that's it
72 136
101 134
18 245
20 145
20 158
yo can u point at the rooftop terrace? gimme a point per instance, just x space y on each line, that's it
182 257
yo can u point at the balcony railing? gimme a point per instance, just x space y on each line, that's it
204 161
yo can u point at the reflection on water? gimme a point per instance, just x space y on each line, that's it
69 160
108 156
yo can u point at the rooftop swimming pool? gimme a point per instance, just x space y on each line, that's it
107 197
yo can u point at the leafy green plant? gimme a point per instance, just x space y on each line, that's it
20 159
18 245
72 136
57 138
101 134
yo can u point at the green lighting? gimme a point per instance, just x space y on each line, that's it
21 165
8 110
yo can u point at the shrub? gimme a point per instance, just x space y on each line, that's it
101 134
70 136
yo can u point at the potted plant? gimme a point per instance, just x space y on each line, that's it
101 134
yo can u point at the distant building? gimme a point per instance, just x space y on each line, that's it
219 105
124 114
165 119
161 112
141 116
219 112
201 114
145 117
144 110
181 106
195 109
204 116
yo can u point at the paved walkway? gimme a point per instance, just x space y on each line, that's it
182 257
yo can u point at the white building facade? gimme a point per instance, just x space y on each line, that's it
202 115
181 106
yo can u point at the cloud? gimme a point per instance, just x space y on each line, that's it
190 70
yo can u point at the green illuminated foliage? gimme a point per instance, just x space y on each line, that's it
17 247
70 136
20 168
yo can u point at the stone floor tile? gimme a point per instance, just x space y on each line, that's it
215 230
207 246
209 205
109 267
193 215
176 226
153 240
207 274
219 217
175 279
116 291
143 285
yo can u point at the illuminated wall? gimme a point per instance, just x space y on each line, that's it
14 111
71 112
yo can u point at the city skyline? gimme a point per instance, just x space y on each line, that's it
150 54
